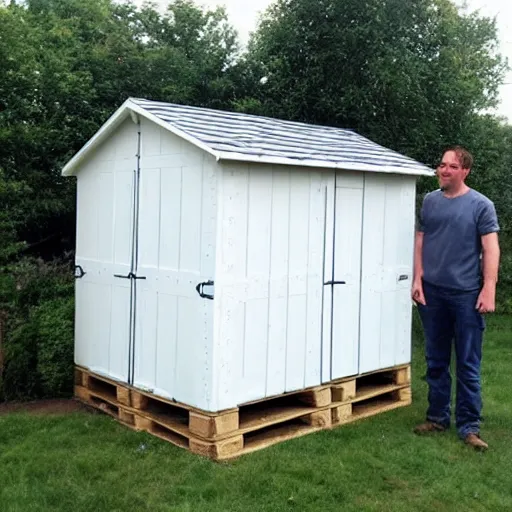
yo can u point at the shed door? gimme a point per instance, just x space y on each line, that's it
170 315
387 261
104 246
342 276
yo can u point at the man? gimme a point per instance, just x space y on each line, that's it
456 258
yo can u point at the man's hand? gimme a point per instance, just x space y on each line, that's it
486 300
417 292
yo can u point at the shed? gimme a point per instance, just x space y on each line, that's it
225 258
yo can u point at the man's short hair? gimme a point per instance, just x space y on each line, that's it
464 156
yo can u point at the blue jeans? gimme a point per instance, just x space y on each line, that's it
451 315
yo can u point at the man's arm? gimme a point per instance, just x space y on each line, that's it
418 258
490 264
417 286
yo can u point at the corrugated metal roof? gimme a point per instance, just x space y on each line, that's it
250 138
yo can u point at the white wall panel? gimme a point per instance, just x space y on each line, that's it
104 230
387 255
268 339
255 340
297 275
313 353
278 288
177 228
347 268
327 299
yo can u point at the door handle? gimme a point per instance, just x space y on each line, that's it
79 272
130 275
200 288
334 282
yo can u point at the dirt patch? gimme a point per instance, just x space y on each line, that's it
54 406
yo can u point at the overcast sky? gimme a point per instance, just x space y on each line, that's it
243 15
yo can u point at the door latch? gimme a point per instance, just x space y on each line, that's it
200 287
334 282
79 272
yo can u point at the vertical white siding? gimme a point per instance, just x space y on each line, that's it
268 281
347 268
327 301
104 222
387 255
177 229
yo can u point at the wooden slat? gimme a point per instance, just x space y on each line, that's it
374 391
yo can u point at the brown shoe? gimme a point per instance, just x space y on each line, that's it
428 427
475 441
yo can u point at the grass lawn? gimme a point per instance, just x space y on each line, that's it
88 462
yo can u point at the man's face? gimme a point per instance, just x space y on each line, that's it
450 172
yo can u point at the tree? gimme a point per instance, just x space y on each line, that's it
68 64
409 75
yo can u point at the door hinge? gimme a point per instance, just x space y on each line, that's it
200 287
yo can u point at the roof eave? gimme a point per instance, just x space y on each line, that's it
389 169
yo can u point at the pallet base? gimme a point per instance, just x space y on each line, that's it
250 427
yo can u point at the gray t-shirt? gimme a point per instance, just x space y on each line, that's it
451 241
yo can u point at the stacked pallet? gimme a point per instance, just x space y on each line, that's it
250 427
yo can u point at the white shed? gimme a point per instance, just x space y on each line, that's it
225 258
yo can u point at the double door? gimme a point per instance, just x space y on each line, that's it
368 272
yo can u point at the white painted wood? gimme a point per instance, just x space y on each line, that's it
269 237
229 285
255 340
315 288
297 276
347 268
271 231
174 329
278 289
104 220
328 275
403 319
387 255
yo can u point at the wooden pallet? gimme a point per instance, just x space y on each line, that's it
253 426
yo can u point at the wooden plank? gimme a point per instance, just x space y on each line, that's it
219 450
313 353
213 426
329 196
371 285
344 392
268 416
279 435
374 391
278 290
255 342
296 343
347 268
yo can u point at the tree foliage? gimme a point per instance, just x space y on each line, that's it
406 74
67 64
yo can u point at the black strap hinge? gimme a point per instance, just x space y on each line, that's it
334 282
200 287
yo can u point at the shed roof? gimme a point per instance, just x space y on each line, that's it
249 138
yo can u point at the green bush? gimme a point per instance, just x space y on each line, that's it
38 347
55 334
